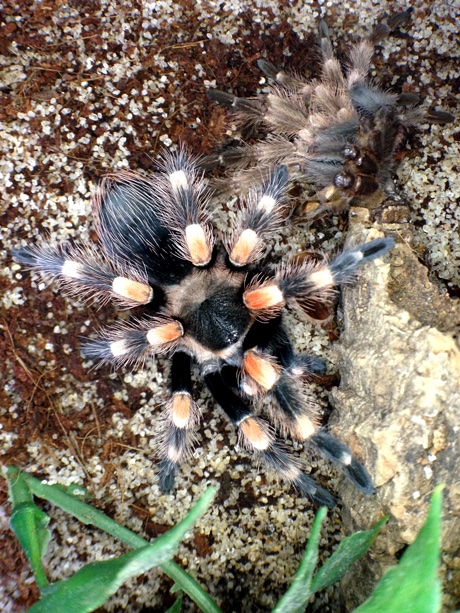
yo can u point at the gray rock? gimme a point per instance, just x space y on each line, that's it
397 407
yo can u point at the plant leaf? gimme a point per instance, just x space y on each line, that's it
29 523
176 606
350 549
89 515
413 585
90 587
295 600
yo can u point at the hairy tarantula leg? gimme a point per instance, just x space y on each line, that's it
232 101
85 272
281 462
332 71
294 414
228 157
363 92
265 298
280 76
298 417
132 342
289 81
339 453
272 337
248 114
181 417
346 264
257 436
260 215
301 422
182 190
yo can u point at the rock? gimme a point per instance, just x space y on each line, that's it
397 407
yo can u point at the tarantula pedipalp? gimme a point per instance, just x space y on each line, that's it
210 303
342 132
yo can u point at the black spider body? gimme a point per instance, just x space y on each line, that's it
342 131
209 300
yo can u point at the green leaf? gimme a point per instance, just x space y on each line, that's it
90 587
351 548
413 585
29 523
176 606
74 489
295 600
89 515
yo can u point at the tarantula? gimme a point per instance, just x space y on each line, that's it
208 301
342 131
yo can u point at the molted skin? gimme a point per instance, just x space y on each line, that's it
342 131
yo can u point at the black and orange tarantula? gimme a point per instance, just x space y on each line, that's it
342 131
211 302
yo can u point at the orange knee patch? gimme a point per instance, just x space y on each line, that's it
266 297
264 371
181 409
255 433
244 247
132 290
164 334
198 244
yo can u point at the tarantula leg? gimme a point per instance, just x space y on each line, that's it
269 358
84 272
279 76
257 436
332 71
228 156
181 417
272 337
132 342
182 191
327 200
439 116
260 215
300 420
339 453
296 416
264 298
232 101
282 463
346 264
309 280
249 114
294 363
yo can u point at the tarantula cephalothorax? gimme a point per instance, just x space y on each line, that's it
342 131
210 304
